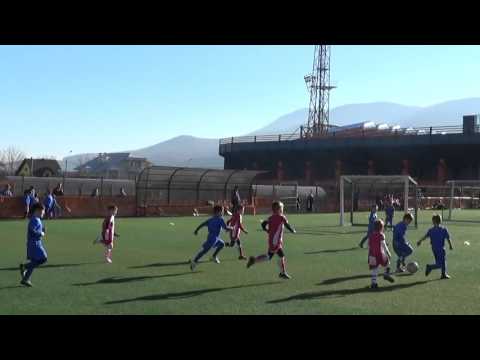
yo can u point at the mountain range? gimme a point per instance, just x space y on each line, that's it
189 151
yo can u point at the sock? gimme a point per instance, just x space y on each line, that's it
240 250
261 258
200 254
281 265
387 270
374 275
218 250
399 262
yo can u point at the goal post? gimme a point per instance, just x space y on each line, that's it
359 192
463 196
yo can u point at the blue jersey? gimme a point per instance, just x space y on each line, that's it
399 232
438 235
371 221
27 200
35 249
48 201
389 211
215 225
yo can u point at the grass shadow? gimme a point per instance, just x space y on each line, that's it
344 292
330 251
119 280
186 294
47 266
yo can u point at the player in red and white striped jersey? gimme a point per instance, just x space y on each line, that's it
274 226
236 223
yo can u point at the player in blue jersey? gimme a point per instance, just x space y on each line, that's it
438 234
49 203
36 253
389 213
215 224
401 246
27 202
371 224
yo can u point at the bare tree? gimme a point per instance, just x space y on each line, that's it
11 158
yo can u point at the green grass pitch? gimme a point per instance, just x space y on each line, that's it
150 274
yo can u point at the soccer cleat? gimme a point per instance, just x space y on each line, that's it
360 245
388 277
22 271
428 270
374 286
251 261
445 276
216 260
241 257
26 283
108 260
400 270
284 275
193 264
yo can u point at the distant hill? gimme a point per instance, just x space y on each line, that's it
189 151
443 114
185 151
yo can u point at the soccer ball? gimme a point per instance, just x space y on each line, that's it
412 267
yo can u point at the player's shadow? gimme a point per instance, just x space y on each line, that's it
331 251
46 266
123 280
161 264
344 292
343 279
186 294
10 287
176 263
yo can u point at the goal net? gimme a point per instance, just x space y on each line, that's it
358 193
462 202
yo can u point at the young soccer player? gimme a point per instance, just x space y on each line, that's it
371 220
237 224
28 201
215 224
274 226
389 213
108 232
378 253
401 245
49 204
36 253
438 234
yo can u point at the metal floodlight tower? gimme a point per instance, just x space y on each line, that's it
318 83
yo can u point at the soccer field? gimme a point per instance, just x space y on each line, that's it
150 274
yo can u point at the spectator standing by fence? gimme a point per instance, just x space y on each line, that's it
58 191
7 192
310 201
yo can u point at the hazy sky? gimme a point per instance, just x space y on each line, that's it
54 99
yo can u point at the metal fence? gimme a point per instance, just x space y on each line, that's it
71 186
358 133
167 185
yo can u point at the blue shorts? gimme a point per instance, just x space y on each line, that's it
213 242
36 251
402 249
440 256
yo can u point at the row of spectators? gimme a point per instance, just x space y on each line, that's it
57 191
